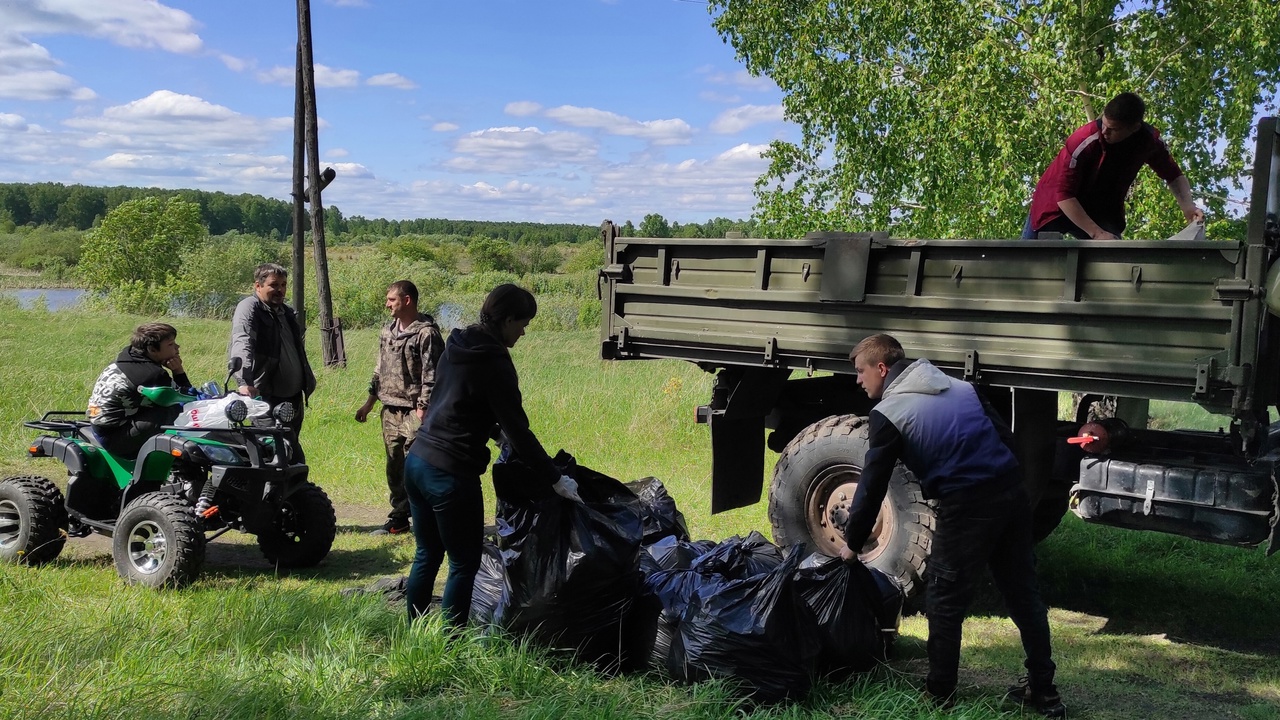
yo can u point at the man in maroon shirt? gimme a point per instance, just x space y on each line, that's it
1082 192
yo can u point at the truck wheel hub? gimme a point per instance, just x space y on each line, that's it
827 513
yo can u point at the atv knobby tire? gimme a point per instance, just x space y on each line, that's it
158 542
813 485
302 531
33 520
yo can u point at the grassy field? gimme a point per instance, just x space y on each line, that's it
1145 625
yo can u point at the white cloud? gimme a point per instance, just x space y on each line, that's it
689 188
718 97
522 108
738 78
9 121
352 171
659 132
392 80
740 118
269 175
513 149
278 75
27 73
130 23
326 77
168 120
444 127
336 153
235 64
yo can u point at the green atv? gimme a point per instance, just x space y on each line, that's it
186 487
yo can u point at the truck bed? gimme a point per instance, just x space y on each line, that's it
1173 320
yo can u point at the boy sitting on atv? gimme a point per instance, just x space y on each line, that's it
121 416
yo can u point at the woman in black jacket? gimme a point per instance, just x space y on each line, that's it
476 388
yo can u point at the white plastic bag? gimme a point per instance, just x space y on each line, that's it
213 413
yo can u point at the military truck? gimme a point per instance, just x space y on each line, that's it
1187 320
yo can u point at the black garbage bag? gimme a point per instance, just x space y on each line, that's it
847 601
739 557
665 599
573 568
892 601
491 594
755 630
670 553
661 516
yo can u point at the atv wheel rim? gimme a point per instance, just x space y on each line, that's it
10 524
147 547
827 512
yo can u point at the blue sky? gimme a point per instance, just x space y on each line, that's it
539 110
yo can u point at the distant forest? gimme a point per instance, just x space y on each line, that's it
79 207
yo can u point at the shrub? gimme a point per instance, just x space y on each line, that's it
140 241
217 272
358 287
488 254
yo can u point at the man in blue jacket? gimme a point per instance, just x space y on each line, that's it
958 449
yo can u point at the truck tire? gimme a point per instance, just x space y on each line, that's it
157 542
33 520
302 531
812 489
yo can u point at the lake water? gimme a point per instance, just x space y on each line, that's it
56 298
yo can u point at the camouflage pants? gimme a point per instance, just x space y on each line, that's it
399 425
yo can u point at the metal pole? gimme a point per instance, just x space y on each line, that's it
327 345
299 197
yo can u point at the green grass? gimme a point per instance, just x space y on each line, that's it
1145 625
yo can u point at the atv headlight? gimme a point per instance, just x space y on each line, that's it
221 455
237 411
284 412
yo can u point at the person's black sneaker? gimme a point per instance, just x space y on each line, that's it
1045 701
393 527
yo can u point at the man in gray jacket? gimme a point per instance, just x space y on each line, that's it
267 338
958 448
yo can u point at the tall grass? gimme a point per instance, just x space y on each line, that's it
1145 625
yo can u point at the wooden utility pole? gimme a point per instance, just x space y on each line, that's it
330 334
299 196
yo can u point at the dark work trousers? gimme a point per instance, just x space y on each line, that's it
124 441
294 425
976 529
1063 226
399 426
448 517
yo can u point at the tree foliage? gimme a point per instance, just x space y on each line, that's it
80 206
140 242
655 226
935 119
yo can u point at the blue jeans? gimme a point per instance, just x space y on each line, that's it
1060 225
448 518
992 530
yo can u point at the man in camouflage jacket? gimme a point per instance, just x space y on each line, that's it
408 349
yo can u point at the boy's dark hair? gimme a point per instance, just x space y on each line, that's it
1126 109
150 335
878 349
507 302
405 288
266 270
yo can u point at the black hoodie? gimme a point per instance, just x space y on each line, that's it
476 388
116 401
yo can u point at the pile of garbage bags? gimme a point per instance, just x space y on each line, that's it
617 581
